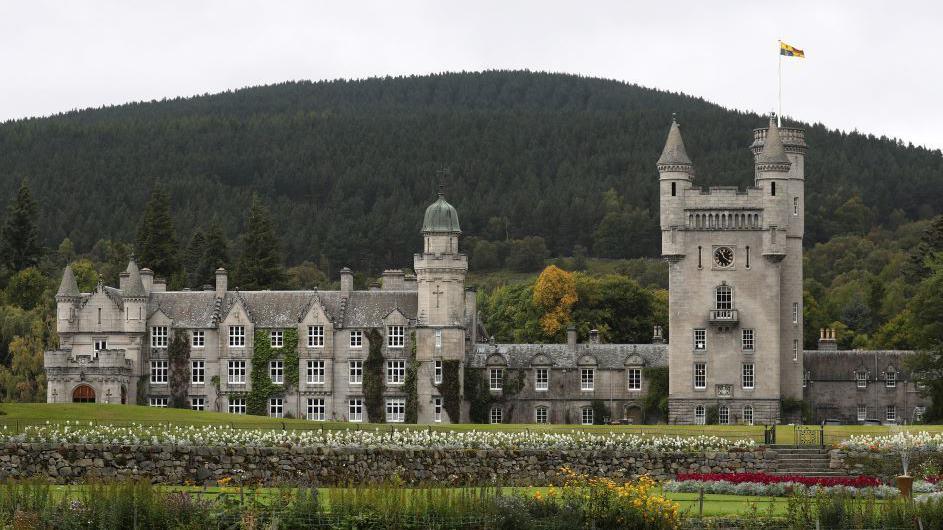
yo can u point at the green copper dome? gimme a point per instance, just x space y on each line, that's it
440 217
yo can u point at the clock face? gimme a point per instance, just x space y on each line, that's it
723 257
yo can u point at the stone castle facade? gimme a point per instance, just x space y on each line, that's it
735 284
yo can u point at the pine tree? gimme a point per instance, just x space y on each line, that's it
156 245
216 253
260 266
930 243
194 260
20 236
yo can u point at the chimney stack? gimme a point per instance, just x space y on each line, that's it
394 280
347 281
409 282
571 338
159 285
147 278
594 336
827 341
222 282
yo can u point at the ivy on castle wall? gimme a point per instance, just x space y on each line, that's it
480 397
262 353
450 390
373 378
412 382
178 353
143 387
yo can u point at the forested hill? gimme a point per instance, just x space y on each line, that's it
347 167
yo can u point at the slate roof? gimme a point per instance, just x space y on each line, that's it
773 150
674 153
608 356
68 286
840 365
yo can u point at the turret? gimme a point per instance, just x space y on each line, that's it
440 229
67 297
676 174
135 299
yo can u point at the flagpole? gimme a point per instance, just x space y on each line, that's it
779 118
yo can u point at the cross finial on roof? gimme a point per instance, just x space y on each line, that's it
442 173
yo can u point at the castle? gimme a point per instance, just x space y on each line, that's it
735 318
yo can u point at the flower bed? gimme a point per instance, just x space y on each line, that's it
216 436
764 478
762 484
905 440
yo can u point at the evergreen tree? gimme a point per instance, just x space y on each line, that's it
930 243
21 244
260 266
194 260
156 245
216 253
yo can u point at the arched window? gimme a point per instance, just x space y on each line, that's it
724 297
723 415
83 394
748 414
700 416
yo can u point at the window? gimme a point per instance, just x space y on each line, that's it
437 409
314 409
237 405
918 414
437 373
795 206
674 186
723 415
862 379
315 372
497 415
395 372
197 403
159 372
890 379
438 339
748 414
700 376
277 338
699 257
862 412
635 378
395 410
795 350
748 376
315 336
724 297
586 415
748 256
160 402
541 379
496 379
795 312
237 336
772 189
198 338
540 415
700 339
700 415
891 413
159 337
355 409
276 371
395 336
197 372
355 370
356 339
101 344
237 372
746 339
276 407
587 378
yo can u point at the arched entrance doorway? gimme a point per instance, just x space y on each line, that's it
83 394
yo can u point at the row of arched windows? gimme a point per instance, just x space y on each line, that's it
724 220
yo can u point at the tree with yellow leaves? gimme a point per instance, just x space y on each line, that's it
555 296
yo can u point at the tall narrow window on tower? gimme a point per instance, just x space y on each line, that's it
724 297
772 189
673 189
748 256
795 206
699 257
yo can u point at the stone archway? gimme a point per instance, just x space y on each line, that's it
83 394
633 413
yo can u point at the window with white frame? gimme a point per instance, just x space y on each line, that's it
197 372
159 337
197 403
861 377
237 336
277 338
541 379
314 409
795 312
237 405
635 378
197 338
891 413
748 414
890 379
497 415
748 377
746 340
587 378
355 409
276 407
101 344
700 415
355 371
315 372
395 410
276 372
159 372
160 402
356 339
395 336
862 412
724 297
586 415
795 350
723 415
437 373
496 378
540 414
437 409
395 372
315 336
700 339
438 339
237 372
700 376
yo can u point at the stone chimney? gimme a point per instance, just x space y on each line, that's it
571 338
827 340
347 281
222 282
409 282
657 336
159 285
594 336
147 278
394 280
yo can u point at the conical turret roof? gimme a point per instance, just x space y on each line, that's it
135 287
68 286
774 152
674 153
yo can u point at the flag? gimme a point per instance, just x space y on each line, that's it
789 51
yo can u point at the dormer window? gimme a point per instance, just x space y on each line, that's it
861 378
890 379
159 337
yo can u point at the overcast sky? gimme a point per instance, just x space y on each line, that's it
871 66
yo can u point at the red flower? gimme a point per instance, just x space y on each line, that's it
763 478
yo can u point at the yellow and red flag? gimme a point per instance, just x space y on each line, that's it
790 51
